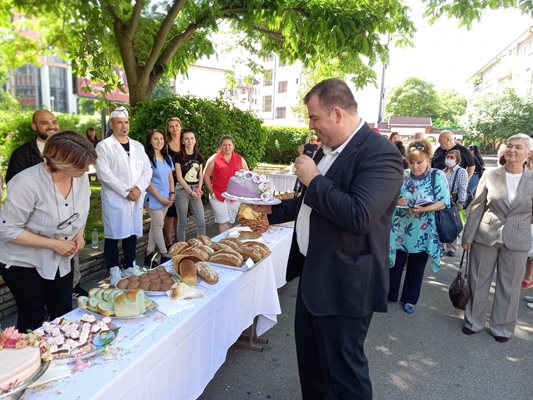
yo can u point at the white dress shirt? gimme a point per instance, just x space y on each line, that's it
303 218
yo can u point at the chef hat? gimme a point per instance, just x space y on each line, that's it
119 112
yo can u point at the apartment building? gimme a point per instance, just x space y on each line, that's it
511 68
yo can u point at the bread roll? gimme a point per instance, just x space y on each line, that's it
252 252
227 258
122 284
205 240
177 248
145 285
206 272
154 286
194 242
132 285
166 286
188 272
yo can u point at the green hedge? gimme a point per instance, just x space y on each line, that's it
283 144
15 129
209 119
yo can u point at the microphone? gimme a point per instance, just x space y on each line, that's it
298 186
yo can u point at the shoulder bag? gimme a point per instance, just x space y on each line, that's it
458 291
448 222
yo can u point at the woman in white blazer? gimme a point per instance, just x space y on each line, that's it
498 234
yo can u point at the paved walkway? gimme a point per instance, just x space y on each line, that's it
420 356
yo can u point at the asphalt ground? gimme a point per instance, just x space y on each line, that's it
420 356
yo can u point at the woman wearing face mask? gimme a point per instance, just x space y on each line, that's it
457 184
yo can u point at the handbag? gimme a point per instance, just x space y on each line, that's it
458 291
448 222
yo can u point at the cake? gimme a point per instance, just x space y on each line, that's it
17 365
248 186
20 356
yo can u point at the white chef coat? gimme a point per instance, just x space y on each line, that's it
118 172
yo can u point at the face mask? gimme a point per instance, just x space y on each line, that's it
450 163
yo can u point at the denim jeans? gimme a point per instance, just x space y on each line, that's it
472 183
183 202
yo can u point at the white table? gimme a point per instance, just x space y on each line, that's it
180 354
282 182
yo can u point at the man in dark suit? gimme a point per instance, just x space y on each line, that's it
340 245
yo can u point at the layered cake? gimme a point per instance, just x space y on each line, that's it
20 357
248 186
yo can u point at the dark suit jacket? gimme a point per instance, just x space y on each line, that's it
346 271
25 156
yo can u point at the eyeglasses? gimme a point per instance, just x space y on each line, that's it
68 221
419 148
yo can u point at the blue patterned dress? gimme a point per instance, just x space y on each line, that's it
416 232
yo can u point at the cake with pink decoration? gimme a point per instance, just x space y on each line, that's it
249 187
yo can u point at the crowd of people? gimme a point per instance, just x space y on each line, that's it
387 195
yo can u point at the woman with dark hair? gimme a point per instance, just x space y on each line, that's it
478 171
173 128
42 228
395 137
91 135
160 193
189 171
220 167
401 148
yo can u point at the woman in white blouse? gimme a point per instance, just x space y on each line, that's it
41 228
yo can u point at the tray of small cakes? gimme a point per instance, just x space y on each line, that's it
229 252
118 303
73 340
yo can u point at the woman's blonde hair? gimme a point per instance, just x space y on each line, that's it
68 150
419 147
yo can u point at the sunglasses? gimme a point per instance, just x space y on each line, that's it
419 148
68 221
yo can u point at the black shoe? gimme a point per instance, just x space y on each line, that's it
468 331
78 291
165 259
501 339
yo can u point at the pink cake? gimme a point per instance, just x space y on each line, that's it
17 365
247 185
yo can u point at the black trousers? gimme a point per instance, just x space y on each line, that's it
35 296
331 357
129 248
414 276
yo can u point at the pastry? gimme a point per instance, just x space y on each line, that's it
187 271
177 248
206 272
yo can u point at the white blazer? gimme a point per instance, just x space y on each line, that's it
117 172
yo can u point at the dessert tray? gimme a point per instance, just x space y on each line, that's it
18 390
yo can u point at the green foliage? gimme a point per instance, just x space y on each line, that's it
452 107
8 102
209 119
86 106
495 117
283 144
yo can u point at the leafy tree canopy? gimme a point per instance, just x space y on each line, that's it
413 98
151 38
493 118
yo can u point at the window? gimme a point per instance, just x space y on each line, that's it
267 78
58 89
267 103
282 87
281 112
28 86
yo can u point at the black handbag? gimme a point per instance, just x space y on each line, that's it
458 291
448 222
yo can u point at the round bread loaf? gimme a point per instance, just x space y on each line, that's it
177 248
144 285
132 285
123 284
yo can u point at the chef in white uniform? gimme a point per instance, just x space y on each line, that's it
123 168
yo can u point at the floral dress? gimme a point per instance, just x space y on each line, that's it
417 232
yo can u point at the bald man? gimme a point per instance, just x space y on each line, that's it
44 124
447 143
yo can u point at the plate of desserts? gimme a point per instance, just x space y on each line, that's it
118 303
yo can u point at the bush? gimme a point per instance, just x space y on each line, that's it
209 119
283 144
15 129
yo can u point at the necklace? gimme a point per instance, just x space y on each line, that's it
75 215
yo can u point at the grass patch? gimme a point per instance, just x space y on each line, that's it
94 220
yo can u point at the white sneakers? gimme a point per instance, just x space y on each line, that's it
115 275
529 300
131 271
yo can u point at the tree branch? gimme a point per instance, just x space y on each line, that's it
273 34
135 17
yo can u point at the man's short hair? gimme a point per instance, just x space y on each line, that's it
333 92
42 110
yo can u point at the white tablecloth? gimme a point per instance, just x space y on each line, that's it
175 357
282 182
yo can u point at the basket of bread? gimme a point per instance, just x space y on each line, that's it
256 221
128 303
191 259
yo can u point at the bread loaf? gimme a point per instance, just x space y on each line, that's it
187 271
206 248
252 252
197 252
177 248
227 258
194 242
265 251
220 246
231 243
130 303
206 272
205 240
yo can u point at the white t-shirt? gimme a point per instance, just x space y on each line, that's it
512 184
